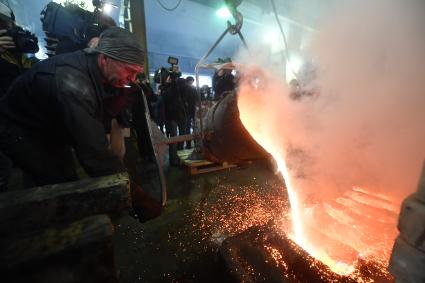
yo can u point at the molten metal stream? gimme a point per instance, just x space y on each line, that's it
341 222
297 226
299 236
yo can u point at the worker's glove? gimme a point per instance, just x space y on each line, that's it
6 42
144 206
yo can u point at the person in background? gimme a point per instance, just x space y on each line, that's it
175 114
148 92
159 109
13 62
191 100
65 43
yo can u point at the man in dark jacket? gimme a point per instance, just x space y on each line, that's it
191 100
175 114
58 105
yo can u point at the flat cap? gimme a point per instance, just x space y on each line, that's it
119 44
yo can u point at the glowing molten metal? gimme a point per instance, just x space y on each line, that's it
354 226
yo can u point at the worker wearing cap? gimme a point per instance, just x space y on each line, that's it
12 63
57 106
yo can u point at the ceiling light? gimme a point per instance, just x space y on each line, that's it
223 12
107 8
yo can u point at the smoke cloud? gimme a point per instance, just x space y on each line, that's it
365 124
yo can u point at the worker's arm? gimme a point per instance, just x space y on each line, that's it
80 109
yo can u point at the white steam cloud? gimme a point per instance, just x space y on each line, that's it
366 127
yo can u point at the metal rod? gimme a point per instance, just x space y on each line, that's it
177 139
233 29
243 40
197 79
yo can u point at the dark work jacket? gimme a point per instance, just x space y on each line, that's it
62 98
191 99
116 104
120 102
174 102
11 66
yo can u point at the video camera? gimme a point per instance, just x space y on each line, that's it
25 41
173 72
72 22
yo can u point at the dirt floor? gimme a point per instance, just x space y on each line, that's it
202 210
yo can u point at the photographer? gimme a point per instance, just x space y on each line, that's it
96 22
14 42
175 113
13 62
191 100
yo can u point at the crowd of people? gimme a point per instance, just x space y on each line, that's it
78 103
71 106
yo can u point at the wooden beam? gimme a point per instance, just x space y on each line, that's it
32 209
78 252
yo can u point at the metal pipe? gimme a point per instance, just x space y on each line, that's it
243 40
201 61
178 139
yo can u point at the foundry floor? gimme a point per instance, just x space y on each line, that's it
181 245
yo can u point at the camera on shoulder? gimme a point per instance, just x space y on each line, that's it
25 41
163 73
174 71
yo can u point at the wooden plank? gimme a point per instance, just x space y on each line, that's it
200 166
184 153
35 208
206 169
78 252
178 139
197 163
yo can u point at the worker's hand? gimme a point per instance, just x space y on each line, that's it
93 42
6 42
